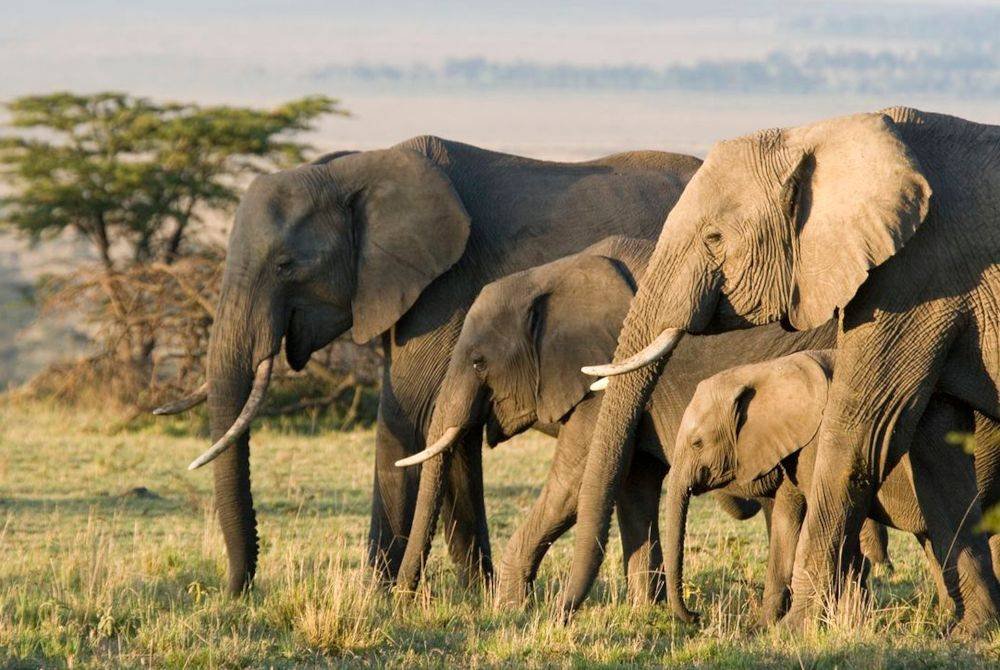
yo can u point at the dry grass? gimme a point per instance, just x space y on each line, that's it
94 574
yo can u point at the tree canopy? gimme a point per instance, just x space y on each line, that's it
133 176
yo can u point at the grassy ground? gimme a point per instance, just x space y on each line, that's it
96 571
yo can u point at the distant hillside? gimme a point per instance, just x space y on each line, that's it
968 70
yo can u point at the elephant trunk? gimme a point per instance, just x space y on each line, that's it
676 296
453 416
608 459
240 356
678 501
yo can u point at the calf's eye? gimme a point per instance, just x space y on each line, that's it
479 365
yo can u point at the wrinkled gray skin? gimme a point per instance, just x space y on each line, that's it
397 243
752 429
517 365
517 362
887 220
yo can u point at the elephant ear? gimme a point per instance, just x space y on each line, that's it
574 321
778 413
857 195
410 226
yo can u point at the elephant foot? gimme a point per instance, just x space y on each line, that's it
796 620
770 614
968 629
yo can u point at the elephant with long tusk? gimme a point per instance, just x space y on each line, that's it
886 222
395 243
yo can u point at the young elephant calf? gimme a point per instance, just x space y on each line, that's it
517 365
752 429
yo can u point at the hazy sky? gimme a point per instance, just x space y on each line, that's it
265 48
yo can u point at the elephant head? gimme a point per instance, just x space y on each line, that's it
517 361
347 242
781 225
739 425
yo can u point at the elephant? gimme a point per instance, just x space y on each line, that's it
886 221
517 364
752 430
396 243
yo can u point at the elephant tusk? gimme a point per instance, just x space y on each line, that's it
184 404
655 350
260 380
430 452
600 384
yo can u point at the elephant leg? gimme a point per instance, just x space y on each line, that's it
875 543
465 508
949 500
767 507
995 555
786 518
887 367
945 600
638 507
394 493
402 414
551 515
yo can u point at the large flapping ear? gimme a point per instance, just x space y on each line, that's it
410 226
778 412
857 195
576 320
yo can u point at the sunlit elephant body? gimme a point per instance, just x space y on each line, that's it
397 243
888 221
752 429
517 363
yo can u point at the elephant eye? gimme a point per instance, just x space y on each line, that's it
285 266
713 237
696 444
479 364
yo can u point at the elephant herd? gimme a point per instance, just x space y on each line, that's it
800 323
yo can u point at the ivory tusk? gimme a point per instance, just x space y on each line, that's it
600 384
430 452
260 380
185 403
655 350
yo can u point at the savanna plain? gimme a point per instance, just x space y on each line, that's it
110 556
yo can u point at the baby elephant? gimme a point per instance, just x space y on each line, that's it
752 429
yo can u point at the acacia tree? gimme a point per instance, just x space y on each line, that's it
136 179
133 176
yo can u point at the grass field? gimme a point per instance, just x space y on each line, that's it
109 556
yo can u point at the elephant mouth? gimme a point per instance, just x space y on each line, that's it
498 430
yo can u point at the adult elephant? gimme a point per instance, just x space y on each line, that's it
397 243
888 220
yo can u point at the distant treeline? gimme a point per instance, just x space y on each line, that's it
972 69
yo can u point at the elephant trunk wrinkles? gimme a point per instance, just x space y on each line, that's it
607 461
455 407
238 343
678 501
227 394
657 308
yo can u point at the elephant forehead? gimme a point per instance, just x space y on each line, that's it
279 196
